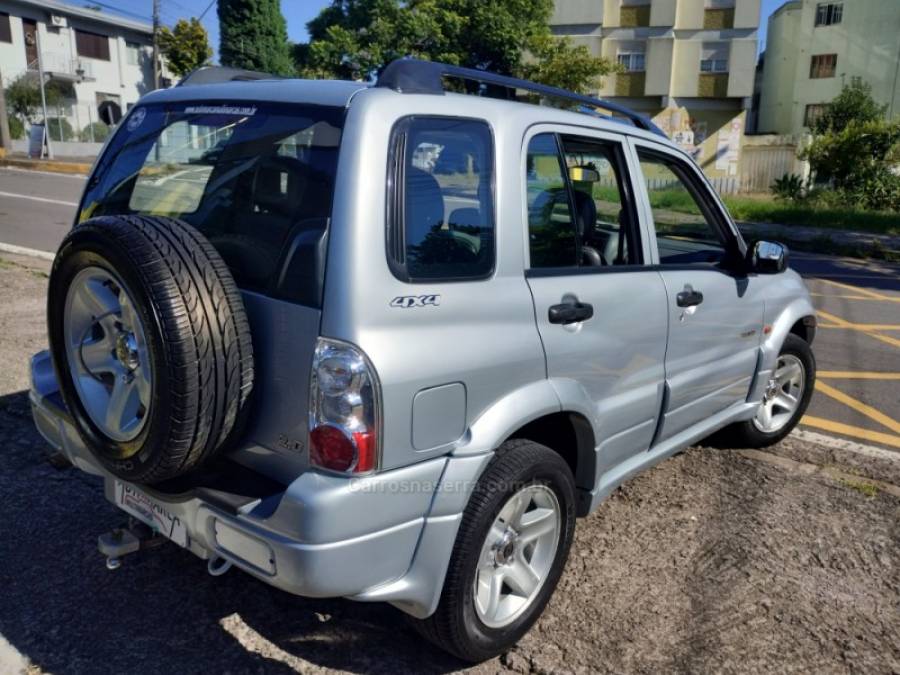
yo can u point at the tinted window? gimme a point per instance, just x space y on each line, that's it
442 208
5 32
551 227
685 232
255 180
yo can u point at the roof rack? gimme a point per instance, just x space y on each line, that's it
220 74
414 76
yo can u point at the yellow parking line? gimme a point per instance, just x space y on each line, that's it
850 430
864 326
853 297
859 406
857 289
842 323
856 375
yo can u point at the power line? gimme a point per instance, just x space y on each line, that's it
121 11
208 7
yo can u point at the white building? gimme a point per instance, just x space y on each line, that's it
92 56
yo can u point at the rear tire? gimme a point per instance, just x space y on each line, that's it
146 304
463 624
755 433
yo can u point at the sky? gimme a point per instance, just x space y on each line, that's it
296 12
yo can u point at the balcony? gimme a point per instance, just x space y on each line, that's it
712 85
718 19
630 84
63 69
634 16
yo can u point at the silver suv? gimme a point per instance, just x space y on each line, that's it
387 342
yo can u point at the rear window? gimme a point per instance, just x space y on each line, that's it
440 199
257 180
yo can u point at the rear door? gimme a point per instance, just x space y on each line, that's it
715 309
601 312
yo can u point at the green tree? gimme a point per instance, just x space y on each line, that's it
853 104
254 36
854 149
186 47
355 38
23 96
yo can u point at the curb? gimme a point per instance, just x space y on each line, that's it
22 250
80 168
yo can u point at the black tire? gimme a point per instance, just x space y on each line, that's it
455 626
198 340
746 434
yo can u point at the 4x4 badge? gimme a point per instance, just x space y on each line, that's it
406 301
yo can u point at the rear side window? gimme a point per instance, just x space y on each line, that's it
440 199
257 180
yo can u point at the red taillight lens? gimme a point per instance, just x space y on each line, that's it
344 409
331 448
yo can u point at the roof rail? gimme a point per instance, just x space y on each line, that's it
414 76
220 74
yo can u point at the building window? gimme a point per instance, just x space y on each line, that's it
822 65
133 53
813 112
5 31
714 58
828 13
92 45
633 62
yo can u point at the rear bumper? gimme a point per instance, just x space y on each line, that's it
319 536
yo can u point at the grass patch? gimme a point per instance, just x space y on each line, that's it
762 210
863 487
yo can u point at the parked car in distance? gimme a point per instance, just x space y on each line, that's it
386 342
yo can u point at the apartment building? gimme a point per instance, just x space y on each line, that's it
90 55
688 64
814 47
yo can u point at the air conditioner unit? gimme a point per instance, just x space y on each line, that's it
58 20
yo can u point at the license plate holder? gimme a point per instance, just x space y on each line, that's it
150 512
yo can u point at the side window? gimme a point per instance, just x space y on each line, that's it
579 214
551 227
685 231
441 207
603 215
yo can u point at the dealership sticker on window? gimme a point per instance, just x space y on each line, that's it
243 111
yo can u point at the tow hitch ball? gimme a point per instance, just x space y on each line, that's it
120 541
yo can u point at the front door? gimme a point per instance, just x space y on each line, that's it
715 310
600 311
29 29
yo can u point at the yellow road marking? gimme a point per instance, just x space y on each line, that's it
859 406
843 323
850 430
857 289
854 297
864 326
856 375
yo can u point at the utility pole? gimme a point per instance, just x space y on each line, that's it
47 139
156 44
5 141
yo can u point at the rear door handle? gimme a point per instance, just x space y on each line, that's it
570 312
689 297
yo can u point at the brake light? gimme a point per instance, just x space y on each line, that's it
344 415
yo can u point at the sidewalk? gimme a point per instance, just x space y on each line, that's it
826 240
72 165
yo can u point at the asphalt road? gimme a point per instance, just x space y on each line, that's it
857 347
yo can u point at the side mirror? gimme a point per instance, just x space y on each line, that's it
767 257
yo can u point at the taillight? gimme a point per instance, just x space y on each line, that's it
344 410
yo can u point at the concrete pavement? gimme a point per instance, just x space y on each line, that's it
857 347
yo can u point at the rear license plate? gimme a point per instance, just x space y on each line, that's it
149 511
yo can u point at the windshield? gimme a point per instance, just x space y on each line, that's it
253 178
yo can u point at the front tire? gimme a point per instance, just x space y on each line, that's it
510 552
787 396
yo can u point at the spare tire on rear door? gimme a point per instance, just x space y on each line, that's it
150 343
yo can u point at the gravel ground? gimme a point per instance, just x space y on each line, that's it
710 562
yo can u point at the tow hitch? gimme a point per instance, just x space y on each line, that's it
130 538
